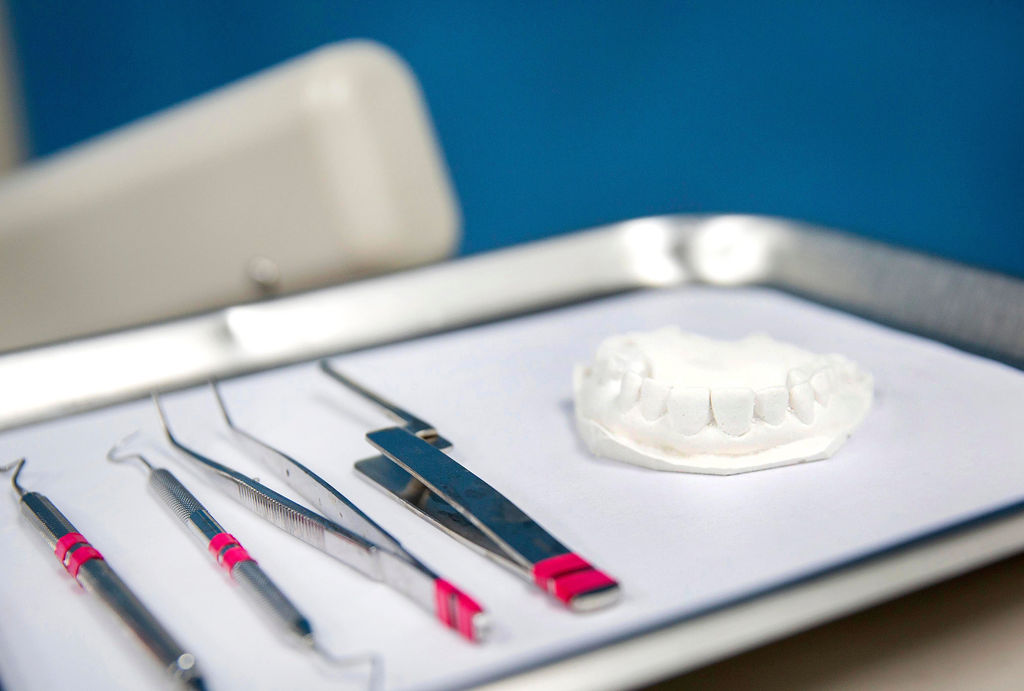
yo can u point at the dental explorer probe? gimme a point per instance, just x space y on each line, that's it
92 572
234 559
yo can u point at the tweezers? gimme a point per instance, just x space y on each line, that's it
415 470
343 531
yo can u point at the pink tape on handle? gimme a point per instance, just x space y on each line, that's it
67 542
569 575
233 556
219 542
455 609
84 553
553 567
233 552
570 585
441 602
81 555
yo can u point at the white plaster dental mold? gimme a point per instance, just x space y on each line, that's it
670 400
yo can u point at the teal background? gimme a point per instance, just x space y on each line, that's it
900 121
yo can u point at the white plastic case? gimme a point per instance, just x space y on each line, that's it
322 169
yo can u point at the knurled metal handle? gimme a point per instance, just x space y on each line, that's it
227 551
183 504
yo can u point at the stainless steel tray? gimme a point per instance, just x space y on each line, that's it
971 309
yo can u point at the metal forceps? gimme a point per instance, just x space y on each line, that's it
341 530
416 471
90 569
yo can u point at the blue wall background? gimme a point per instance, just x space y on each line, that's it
902 121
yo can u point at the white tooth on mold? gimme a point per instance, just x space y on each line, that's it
733 409
617 365
653 398
625 356
821 382
720 407
601 373
771 404
630 390
637 366
801 400
689 410
796 376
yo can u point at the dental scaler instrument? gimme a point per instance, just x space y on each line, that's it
234 559
92 572
415 470
343 531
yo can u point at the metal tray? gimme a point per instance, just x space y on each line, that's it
971 309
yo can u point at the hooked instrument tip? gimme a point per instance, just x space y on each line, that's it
373 660
113 454
17 465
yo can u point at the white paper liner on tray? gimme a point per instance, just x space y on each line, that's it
939 446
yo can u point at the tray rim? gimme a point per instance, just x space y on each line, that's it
970 308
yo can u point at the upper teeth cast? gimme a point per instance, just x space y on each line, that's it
678 401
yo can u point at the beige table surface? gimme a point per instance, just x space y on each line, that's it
966 633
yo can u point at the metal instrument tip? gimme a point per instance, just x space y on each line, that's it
17 466
375 679
415 425
215 385
114 455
